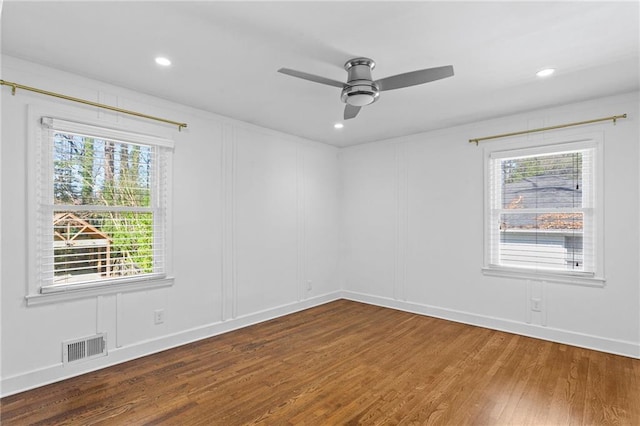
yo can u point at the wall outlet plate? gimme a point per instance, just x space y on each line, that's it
158 316
536 305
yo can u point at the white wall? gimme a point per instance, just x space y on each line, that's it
255 216
412 231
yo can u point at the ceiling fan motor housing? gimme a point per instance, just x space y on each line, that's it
360 89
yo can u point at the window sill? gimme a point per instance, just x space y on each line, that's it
69 293
588 280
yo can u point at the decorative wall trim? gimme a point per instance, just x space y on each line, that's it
402 221
229 166
301 225
587 341
119 320
57 372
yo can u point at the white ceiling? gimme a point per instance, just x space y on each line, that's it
225 56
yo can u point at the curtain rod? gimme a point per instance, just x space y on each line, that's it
15 86
613 118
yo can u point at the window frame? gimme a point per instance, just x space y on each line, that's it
549 146
39 153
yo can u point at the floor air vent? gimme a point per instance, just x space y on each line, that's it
86 348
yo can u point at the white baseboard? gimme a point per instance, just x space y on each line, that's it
54 373
57 372
613 346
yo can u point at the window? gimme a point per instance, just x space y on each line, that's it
102 207
543 211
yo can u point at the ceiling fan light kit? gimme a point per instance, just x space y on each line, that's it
361 90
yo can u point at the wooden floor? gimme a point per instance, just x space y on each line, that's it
348 363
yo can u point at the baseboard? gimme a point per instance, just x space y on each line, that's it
613 346
55 373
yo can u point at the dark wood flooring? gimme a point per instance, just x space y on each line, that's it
348 363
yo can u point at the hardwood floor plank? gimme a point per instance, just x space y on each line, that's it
348 363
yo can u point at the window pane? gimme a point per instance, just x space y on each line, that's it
548 181
92 171
542 240
90 246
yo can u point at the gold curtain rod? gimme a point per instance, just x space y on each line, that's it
15 86
614 118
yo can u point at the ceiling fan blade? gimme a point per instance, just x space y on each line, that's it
414 77
311 77
351 111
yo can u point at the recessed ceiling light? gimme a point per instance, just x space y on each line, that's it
163 61
545 72
338 126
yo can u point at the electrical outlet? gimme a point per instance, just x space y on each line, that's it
536 305
309 285
158 316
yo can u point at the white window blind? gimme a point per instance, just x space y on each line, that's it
102 206
542 209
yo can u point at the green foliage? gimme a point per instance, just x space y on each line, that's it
87 172
132 241
63 188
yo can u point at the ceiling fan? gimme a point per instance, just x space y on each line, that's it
360 90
